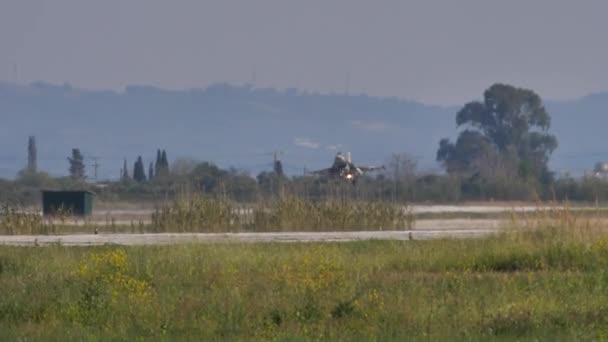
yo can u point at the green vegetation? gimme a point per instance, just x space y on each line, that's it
195 213
77 167
294 214
139 173
504 141
235 185
540 280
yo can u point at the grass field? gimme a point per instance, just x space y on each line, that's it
540 279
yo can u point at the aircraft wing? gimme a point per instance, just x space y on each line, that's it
370 168
323 172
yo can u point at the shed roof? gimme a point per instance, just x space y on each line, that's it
69 191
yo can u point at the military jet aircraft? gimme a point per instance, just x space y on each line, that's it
344 168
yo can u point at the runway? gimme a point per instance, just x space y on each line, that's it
293 237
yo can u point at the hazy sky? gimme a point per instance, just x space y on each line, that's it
443 52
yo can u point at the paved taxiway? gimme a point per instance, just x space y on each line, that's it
174 238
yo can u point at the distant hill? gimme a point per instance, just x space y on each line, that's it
581 127
241 127
232 126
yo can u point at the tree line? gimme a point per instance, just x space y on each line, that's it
501 153
157 169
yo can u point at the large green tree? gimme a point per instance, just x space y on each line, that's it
208 177
507 130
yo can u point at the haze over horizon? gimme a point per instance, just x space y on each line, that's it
435 52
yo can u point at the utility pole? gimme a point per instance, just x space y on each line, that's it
95 166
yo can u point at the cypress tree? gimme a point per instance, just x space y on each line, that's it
139 174
125 171
135 171
151 171
165 163
32 155
157 164
163 169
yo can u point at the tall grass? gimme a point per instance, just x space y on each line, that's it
297 214
190 213
541 279
13 221
198 213
205 214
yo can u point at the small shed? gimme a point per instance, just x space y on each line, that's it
75 202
